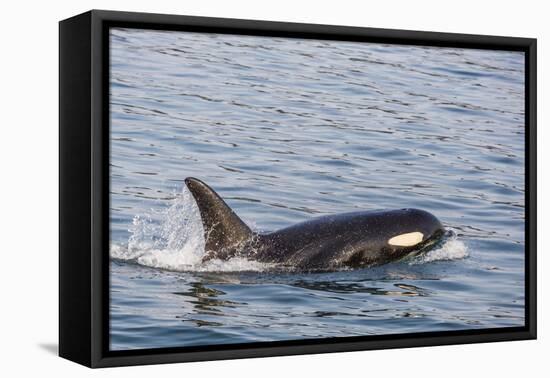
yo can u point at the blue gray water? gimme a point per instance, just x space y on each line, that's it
289 129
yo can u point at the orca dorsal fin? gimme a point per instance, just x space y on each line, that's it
223 229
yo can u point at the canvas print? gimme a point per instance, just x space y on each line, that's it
270 189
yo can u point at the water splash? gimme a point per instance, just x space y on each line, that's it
451 248
176 242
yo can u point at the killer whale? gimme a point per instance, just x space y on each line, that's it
347 240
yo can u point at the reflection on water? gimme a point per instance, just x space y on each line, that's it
352 287
289 129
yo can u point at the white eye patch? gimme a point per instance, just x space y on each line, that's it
406 240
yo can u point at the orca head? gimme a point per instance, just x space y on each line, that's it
391 235
414 227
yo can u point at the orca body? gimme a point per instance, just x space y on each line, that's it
348 240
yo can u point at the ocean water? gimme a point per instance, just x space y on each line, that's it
289 129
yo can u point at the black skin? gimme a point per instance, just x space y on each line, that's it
348 240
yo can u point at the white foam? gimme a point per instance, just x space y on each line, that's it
235 264
120 252
451 249
178 260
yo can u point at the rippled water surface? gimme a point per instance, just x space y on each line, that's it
289 129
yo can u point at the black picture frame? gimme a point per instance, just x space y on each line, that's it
84 188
